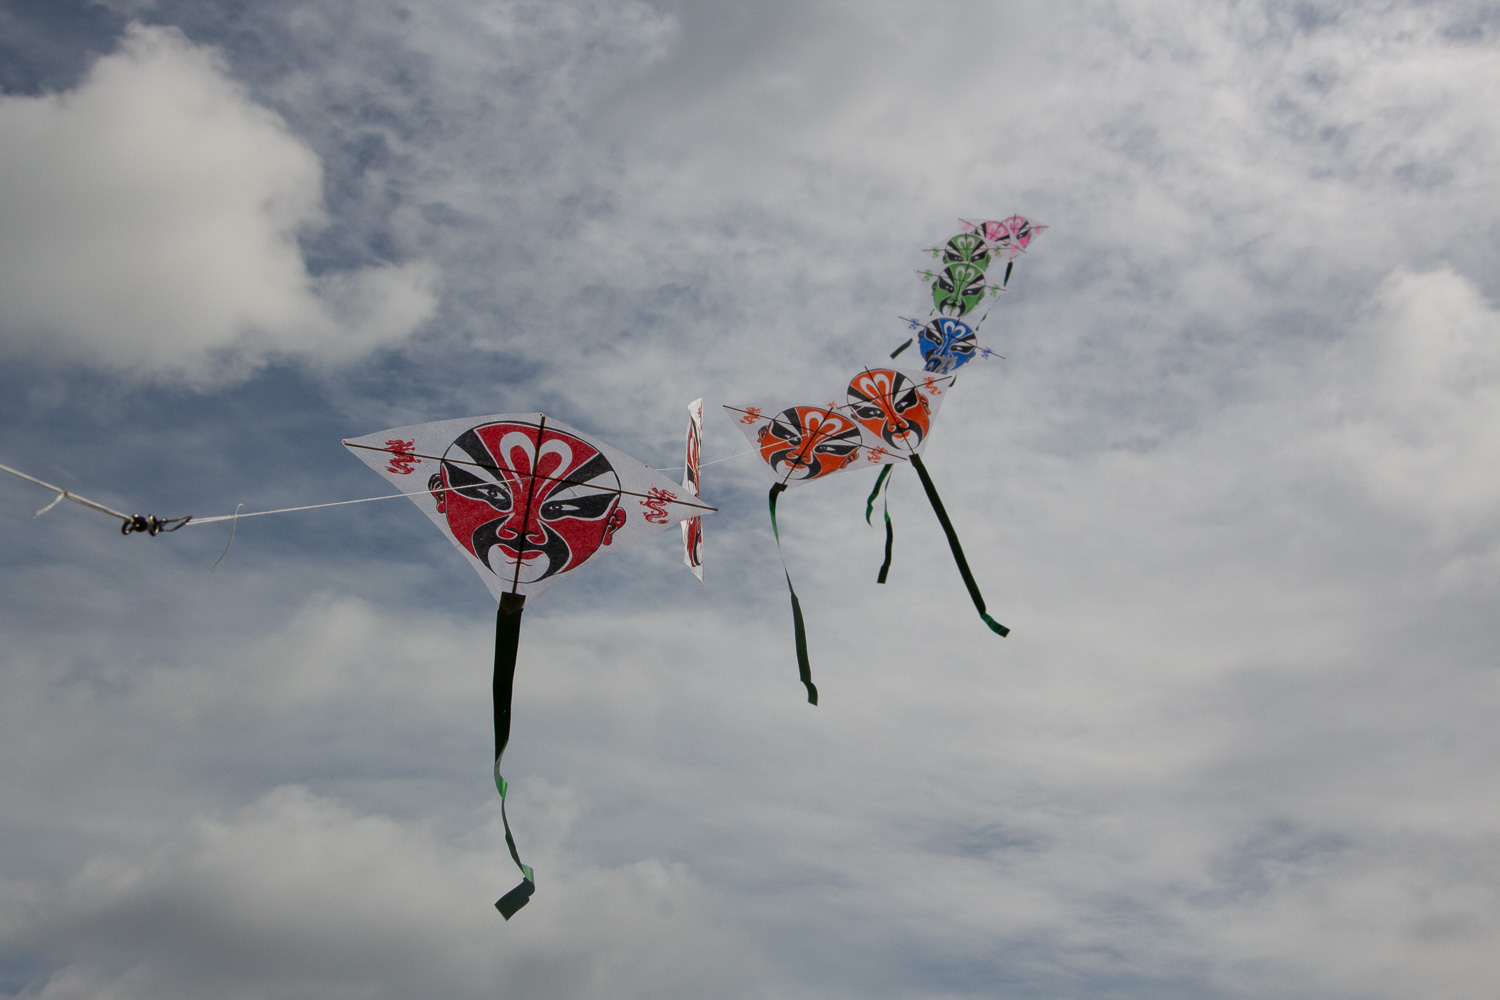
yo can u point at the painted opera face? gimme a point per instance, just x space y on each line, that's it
958 289
946 343
1007 237
527 520
888 405
967 248
806 442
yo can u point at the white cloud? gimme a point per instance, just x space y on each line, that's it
1420 400
150 220
299 896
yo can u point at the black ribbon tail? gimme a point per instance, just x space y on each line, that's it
958 552
890 534
799 630
901 348
507 641
1004 282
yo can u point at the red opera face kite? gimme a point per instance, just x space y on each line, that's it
527 500
481 490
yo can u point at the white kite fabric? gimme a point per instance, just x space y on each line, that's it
525 498
692 529
884 417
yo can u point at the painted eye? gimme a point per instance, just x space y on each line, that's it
866 411
497 495
589 507
907 401
964 346
786 432
491 493
837 448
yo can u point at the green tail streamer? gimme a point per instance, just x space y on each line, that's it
804 668
507 641
1006 281
901 348
890 534
958 552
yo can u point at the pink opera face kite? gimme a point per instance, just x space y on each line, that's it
526 499
1007 237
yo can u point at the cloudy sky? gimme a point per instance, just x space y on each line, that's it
1235 488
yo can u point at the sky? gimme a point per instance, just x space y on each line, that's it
1234 487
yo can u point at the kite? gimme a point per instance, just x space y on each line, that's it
1006 238
526 500
885 419
958 288
946 344
692 528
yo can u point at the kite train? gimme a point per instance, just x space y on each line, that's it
527 500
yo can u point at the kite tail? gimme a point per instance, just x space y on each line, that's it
901 348
890 534
958 552
1005 282
507 640
804 668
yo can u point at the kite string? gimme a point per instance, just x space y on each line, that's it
678 468
312 506
217 518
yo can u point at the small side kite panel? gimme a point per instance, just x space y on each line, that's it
692 529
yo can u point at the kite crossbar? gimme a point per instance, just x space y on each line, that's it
481 465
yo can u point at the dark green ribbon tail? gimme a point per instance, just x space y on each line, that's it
799 630
958 552
507 641
890 534
1006 280
901 348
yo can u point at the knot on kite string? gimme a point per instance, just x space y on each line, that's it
151 524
